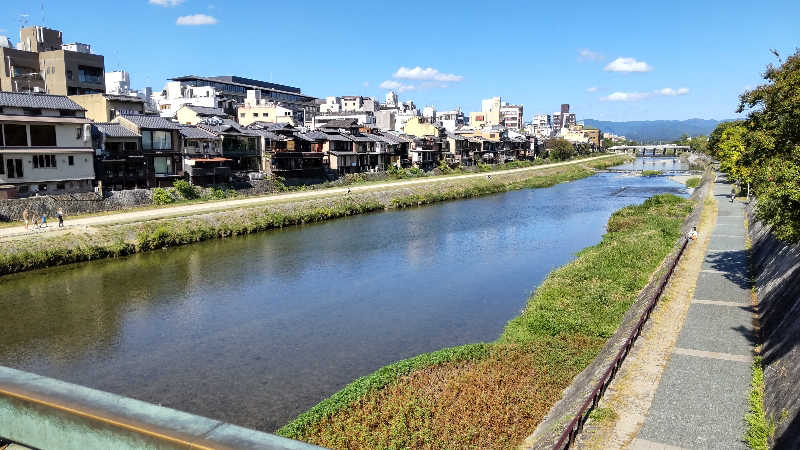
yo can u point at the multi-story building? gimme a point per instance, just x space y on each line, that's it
256 109
511 116
451 120
43 63
119 161
227 92
161 146
541 120
105 107
118 82
45 144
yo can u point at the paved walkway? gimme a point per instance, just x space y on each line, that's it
199 208
701 400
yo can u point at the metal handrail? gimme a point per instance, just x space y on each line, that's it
575 426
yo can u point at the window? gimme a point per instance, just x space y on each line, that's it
90 74
156 140
130 146
162 165
71 160
43 136
14 168
15 135
2 166
255 114
78 133
242 115
69 74
67 113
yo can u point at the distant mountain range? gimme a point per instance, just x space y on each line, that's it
655 130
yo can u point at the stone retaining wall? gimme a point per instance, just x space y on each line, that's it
88 202
776 267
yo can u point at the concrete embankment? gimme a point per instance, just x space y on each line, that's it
128 233
776 268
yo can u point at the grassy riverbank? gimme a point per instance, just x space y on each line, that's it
493 395
38 251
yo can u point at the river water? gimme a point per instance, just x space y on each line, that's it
256 329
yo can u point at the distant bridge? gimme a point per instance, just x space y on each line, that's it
661 172
652 150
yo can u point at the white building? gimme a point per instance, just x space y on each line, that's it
429 112
451 120
391 99
511 116
46 144
177 94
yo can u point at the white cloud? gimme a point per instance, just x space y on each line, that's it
673 92
592 89
196 19
165 3
626 96
397 86
628 65
429 73
636 96
588 55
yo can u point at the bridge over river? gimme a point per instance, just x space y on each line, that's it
652 150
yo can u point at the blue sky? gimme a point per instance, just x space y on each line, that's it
609 60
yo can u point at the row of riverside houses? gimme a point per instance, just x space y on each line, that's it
214 130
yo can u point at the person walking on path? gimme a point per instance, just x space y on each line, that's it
44 219
26 216
60 214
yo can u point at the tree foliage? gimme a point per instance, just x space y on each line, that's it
765 148
560 149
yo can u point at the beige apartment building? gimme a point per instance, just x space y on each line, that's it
105 107
43 63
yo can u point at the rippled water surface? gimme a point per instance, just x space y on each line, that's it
254 330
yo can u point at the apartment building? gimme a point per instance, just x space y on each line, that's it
257 109
45 144
105 107
161 146
511 116
41 62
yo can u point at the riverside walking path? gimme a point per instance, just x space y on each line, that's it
200 208
702 396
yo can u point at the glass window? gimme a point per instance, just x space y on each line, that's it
71 160
130 146
162 165
43 136
147 139
162 140
18 166
2 166
15 135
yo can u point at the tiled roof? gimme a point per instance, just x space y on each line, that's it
207 111
191 132
270 125
317 135
303 137
359 138
115 130
341 123
338 137
151 121
267 134
227 126
43 101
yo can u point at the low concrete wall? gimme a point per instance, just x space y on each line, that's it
776 267
45 413
549 430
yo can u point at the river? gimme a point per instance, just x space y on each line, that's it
256 329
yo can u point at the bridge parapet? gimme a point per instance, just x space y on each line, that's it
43 412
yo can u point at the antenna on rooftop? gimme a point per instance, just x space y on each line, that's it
42 13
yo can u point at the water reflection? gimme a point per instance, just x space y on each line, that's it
254 330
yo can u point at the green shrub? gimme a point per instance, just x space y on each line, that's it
186 190
162 197
651 173
693 182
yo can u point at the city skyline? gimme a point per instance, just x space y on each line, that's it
659 66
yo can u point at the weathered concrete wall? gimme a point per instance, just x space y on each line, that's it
776 266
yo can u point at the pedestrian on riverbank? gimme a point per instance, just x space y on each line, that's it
693 234
60 214
44 219
26 216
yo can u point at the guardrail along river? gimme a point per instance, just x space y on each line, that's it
256 329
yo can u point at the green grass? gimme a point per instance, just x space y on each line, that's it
651 173
565 323
693 182
759 428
